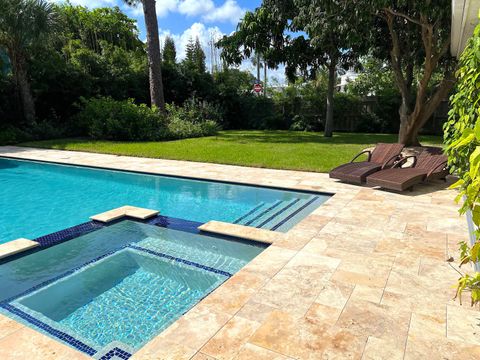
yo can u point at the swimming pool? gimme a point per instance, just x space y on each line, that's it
114 289
40 198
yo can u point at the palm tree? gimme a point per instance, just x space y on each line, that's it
153 52
23 25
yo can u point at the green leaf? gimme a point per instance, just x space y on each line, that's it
476 215
457 184
475 162
477 128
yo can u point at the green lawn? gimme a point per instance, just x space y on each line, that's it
270 149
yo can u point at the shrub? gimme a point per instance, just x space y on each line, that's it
462 137
11 135
194 111
180 129
110 119
369 123
190 120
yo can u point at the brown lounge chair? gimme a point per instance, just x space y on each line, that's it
426 166
383 156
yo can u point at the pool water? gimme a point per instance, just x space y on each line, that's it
118 286
39 198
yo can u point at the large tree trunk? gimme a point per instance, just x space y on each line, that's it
23 87
154 56
405 135
332 70
412 122
414 116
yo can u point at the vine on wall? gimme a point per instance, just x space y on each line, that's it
462 137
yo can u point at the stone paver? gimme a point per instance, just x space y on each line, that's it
362 277
16 246
123 211
241 231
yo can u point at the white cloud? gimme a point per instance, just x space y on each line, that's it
197 30
89 3
205 34
230 11
195 7
163 8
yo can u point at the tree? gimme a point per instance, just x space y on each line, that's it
332 39
199 57
195 56
92 26
169 51
153 52
414 36
23 25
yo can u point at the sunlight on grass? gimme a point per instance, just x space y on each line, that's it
269 149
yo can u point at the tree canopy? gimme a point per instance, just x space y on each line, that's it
169 52
302 34
414 37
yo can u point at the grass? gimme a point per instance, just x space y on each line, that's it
270 149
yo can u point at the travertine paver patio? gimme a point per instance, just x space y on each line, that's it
363 277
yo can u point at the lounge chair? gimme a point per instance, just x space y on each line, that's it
382 157
425 167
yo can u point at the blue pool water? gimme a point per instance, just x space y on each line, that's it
118 286
38 198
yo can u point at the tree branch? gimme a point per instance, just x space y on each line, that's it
395 57
441 92
405 16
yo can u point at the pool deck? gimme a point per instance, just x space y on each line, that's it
363 277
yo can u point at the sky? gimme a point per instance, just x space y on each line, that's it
185 19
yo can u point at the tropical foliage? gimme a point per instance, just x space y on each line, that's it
51 67
23 25
330 39
157 96
462 136
412 36
109 119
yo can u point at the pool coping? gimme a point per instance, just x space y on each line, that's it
249 317
253 184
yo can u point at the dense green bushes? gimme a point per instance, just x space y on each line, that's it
109 119
462 136
97 54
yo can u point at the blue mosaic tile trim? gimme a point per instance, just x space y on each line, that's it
58 277
183 261
278 213
77 344
294 213
68 234
264 212
70 339
116 352
249 213
175 224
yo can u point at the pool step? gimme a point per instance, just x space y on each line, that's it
272 216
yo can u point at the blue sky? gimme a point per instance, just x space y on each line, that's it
185 19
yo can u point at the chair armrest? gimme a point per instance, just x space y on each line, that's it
393 158
363 152
441 166
404 159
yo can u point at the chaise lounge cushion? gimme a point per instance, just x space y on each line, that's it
355 172
397 179
427 166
